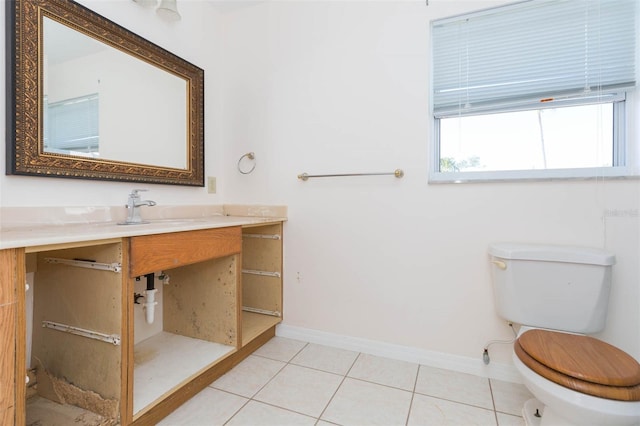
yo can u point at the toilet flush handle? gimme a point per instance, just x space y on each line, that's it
500 264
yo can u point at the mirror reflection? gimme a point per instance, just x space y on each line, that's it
100 102
89 99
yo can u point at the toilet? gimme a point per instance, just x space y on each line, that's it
559 296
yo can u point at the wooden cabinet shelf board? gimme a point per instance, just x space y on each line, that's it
165 361
255 324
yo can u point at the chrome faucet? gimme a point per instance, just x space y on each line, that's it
133 206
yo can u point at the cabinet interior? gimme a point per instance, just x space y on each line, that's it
74 347
89 344
199 326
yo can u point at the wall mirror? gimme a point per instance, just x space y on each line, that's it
87 98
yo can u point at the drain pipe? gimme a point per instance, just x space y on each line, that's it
150 298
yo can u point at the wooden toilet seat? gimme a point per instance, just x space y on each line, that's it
581 363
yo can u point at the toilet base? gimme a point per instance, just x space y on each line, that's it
535 413
563 406
532 412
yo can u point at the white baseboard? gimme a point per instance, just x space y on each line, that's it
495 370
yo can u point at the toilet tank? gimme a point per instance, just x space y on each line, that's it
557 287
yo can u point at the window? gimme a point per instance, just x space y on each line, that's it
72 125
536 89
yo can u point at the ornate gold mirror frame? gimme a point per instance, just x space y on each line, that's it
25 153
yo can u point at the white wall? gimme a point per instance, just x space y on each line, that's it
334 86
194 38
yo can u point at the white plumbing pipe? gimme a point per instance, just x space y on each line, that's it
149 305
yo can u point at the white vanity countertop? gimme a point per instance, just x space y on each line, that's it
83 226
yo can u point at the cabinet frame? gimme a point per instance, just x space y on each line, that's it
196 246
161 252
13 330
262 252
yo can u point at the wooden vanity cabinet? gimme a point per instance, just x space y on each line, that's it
200 306
225 290
200 265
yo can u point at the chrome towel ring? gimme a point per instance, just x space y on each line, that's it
248 156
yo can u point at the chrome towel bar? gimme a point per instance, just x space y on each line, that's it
397 173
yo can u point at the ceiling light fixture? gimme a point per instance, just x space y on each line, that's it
167 9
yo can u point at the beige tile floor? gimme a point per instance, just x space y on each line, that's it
289 382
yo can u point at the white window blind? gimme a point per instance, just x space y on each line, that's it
530 52
72 124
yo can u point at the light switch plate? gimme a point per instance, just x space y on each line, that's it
211 184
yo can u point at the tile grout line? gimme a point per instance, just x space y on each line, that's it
413 395
291 362
413 392
344 377
282 408
263 386
493 401
237 411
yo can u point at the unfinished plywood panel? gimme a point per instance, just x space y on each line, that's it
31 262
261 250
152 253
262 292
253 325
85 298
201 301
44 412
64 393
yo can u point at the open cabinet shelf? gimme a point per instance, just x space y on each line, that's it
164 361
255 324
261 279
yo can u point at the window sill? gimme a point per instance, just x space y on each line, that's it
595 173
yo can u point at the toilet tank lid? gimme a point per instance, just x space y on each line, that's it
552 253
